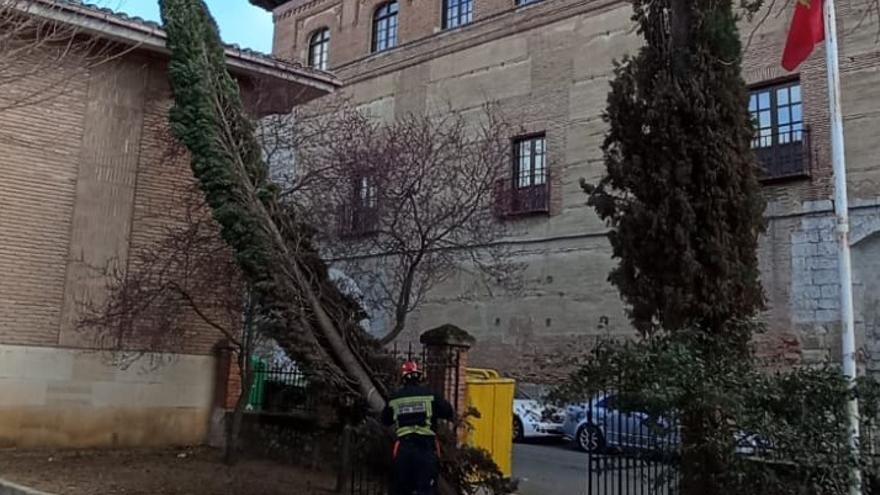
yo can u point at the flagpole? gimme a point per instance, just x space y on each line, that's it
841 210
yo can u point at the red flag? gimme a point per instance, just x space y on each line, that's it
807 29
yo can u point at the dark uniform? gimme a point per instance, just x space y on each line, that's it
414 411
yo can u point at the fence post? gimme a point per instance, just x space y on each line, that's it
446 349
343 477
223 388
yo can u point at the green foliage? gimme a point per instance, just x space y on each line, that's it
468 470
681 194
471 470
798 415
202 86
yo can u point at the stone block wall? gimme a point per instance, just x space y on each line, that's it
76 398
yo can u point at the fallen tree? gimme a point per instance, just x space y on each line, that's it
303 310
297 303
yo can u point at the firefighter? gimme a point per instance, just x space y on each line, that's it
413 411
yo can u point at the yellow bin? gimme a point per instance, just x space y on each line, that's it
492 396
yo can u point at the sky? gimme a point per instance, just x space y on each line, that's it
239 21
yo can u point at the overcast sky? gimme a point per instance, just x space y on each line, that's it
239 21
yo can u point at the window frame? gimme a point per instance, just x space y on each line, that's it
782 147
386 23
360 211
533 169
319 43
774 109
462 17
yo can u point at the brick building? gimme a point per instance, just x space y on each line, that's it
548 64
84 179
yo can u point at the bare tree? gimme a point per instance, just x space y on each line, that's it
38 51
185 279
403 206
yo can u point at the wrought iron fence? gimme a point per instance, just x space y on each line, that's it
441 369
627 452
282 390
370 449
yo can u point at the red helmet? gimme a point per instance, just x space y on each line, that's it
410 368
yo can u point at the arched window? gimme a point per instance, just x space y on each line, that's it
385 26
319 49
457 13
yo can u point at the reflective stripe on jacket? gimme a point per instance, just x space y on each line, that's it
413 415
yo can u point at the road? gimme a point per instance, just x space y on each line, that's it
549 468
553 468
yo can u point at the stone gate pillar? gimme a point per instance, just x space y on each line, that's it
446 355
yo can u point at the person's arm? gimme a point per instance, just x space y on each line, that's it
387 416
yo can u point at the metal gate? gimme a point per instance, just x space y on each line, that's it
628 453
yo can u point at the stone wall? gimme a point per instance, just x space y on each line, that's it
72 398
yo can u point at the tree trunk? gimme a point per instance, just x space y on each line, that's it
233 432
246 374
402 308
700 464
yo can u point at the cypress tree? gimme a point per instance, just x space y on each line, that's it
681 193
297 302
684 205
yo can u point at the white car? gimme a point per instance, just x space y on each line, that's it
532 418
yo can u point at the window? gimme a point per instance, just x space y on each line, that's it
319 49
529 163
385 26
457 13
361 213
366 194
520 3
528 189
780 141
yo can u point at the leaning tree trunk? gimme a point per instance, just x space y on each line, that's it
246 374
271 248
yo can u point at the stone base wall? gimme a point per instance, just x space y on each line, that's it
52 397
815 282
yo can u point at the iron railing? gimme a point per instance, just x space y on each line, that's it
281 390
369 459
357 220
441 369
523 195
783 155
628 453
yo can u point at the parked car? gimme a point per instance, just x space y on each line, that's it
599 425
533 418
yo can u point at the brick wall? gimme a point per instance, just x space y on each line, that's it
84 180
40 148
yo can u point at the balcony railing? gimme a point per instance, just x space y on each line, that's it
784 155
357 220
522 196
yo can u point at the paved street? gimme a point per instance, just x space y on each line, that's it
549 469
553 468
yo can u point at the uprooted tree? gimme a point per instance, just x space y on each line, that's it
405 205
298 304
